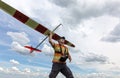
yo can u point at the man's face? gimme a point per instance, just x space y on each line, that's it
61 41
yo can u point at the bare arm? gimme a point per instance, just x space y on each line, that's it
50 39
69 57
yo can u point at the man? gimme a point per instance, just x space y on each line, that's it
59 60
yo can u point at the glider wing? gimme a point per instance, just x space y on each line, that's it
29 22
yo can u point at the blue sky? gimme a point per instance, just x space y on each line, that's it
92 25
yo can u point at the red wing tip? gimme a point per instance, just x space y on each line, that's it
32 49
39 51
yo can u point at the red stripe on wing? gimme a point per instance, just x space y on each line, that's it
56 37
40 28
20 16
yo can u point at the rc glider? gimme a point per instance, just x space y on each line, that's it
31 23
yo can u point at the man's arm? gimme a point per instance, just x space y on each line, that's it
50 39
69 57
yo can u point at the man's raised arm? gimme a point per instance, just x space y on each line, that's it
50 39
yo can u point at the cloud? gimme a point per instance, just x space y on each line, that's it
45 15
47 50
74 11
14 69
95 58
113 36
92 62
98 66
1 69
14 62
21 49
27 70
16 73
101 75
63 3
92 58
20 37
26 73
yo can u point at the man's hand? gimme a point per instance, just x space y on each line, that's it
50 33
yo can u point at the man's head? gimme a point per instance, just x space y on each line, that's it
61 40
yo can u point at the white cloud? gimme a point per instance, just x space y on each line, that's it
101 75
76 12
14 69
14 62
91 58
1 69
64 3
27 70
114 35
42 11
16 73
100 65
47 50
20 37
21 49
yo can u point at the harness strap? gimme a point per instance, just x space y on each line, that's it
61 50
